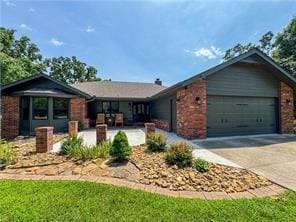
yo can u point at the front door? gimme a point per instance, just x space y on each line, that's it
140 112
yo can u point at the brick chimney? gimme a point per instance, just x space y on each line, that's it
158 82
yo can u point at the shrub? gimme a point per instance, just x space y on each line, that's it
156 141
120 148
201 165
75 148
180 154
6 153
73 142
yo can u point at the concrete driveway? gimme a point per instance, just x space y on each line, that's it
272 156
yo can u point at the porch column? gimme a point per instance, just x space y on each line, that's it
44 139
150 128
72 128
101 132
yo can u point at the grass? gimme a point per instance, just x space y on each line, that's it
86 201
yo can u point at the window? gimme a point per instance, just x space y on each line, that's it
60 108
110 107
40 108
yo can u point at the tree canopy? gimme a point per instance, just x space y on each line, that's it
282 47
20 58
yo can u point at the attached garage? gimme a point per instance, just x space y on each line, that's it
230 115
242 99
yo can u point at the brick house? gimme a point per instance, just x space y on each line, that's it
249 94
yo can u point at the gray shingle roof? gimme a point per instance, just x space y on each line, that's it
114 89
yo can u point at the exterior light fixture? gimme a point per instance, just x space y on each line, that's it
197 99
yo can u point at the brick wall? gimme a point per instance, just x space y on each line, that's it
286 109
191 116
78 111
10 111
161 124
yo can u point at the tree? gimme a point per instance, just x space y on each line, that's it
285 47
265 44
19 58
70 70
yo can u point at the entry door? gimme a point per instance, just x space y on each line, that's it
241 115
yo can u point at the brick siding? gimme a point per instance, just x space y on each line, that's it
10 111
191 116
78 111
286 108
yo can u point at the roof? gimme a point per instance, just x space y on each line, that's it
119 90
42 75
265 58
43 92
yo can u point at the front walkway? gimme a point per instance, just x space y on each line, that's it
268 191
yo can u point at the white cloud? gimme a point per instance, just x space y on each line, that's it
56 42
24 26
32 10
9 3
210 53
89 29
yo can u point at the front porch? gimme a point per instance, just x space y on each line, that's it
135 113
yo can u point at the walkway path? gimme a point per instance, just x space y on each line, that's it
272 190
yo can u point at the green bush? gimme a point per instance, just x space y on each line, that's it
180 154
120 148
73 142
74 147
201 165
156 142
6 153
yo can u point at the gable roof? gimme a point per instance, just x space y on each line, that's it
42 75
119 90
284 73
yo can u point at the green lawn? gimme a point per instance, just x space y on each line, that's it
85 201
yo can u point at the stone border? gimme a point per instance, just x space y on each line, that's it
272 190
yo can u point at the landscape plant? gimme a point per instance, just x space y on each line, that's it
156 141
71 143
6 152
201 165
120 148
180 154
75 148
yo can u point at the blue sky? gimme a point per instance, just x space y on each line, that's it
140 41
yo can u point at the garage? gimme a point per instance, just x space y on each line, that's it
230 115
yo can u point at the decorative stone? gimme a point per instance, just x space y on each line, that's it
101 131
44 139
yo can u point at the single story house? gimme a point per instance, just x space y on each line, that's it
250 94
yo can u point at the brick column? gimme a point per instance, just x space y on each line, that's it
150 128
286 108
101 130
44 139
78 111
10 122
72 128
192 110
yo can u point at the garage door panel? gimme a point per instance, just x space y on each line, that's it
241 115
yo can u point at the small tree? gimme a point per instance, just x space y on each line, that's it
120 148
